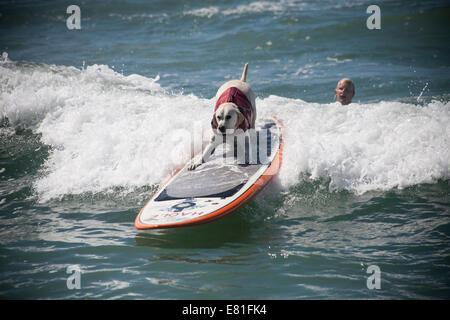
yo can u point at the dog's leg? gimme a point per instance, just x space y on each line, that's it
209 150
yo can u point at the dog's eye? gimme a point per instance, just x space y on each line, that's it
228 117
220 117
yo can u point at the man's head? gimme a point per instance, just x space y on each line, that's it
345 91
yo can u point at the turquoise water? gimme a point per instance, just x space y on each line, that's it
93 120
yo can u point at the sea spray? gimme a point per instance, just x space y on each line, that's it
107 130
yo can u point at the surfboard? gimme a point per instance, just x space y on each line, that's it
234 174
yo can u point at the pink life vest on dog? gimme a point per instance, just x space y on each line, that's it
236 96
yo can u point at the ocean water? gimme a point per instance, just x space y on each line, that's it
92 120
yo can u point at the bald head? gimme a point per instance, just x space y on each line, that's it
345 91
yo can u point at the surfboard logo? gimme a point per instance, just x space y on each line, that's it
183 205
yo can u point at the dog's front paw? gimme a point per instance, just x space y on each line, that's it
193 166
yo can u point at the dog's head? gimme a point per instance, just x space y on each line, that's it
227 118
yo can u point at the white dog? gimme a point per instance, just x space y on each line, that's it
234 114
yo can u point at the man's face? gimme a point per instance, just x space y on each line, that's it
344 92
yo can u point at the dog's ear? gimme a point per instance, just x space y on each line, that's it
241 119
214 123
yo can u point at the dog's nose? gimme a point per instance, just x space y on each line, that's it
222 129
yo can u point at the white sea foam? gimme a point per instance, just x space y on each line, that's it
309 69
30 94
252 7
258 7
364 147
108 130
274 7
203 12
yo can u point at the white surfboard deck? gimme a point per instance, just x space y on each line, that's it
218 187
